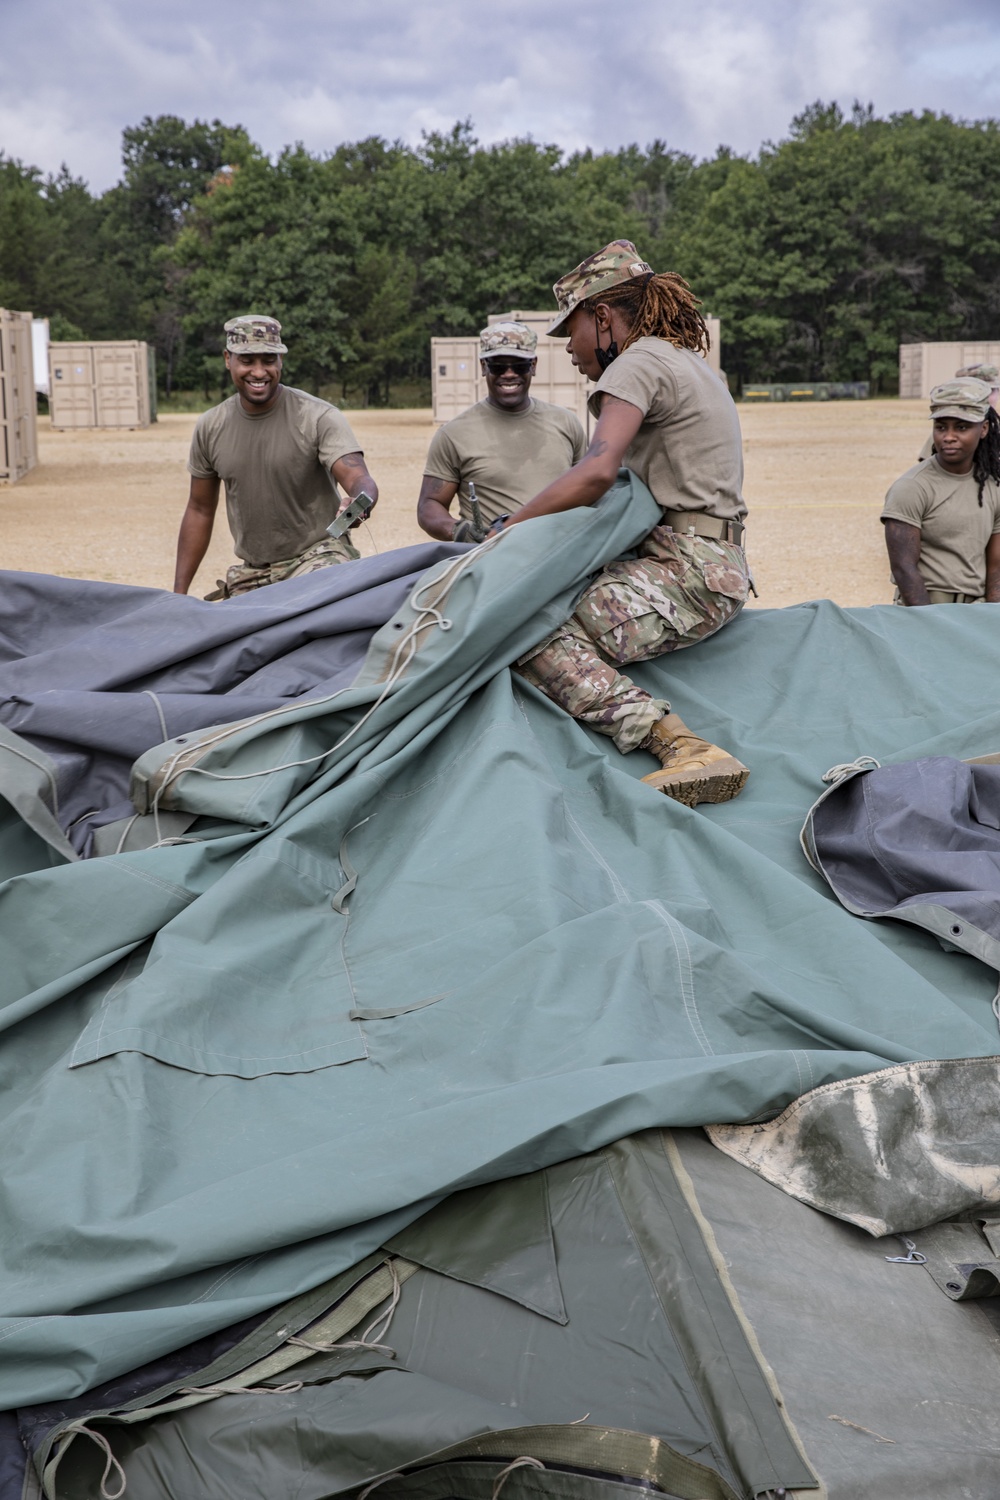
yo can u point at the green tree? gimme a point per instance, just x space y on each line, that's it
167 165
49 259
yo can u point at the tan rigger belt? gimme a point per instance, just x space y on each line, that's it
693 522
942 596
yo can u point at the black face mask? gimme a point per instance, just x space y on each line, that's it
604 357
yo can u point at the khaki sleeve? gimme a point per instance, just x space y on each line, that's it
640 381
996 509
905 502
334 437
578 440
442 461
199 463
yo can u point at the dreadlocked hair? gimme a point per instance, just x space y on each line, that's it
986 459
660 306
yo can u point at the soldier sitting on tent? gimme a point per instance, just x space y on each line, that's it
503 450
662 411
942 517
281 454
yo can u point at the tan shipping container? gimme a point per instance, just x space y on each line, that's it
923 366
18 404
107 383
455 377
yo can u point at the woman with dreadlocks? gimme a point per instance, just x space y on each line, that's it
662 411
942 517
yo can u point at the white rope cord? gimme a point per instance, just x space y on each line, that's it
125 833
406 648
370 1488
370 1338
996 1003
159 710
863 763
504 1475
110 1462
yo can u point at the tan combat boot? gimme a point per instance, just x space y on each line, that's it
693 770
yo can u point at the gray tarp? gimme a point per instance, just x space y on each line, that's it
93 674
526 952
919 841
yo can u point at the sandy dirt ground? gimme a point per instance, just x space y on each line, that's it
107 504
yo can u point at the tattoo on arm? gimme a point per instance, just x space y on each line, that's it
353 461
597 447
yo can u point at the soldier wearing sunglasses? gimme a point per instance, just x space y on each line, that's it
508 446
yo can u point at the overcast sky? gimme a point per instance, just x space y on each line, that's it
73 73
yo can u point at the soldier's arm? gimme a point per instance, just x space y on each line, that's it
993 569
433 515
594 475
351 473
902 543
196 530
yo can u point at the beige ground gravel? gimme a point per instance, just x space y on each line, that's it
105 504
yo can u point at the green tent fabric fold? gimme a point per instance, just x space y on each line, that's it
228 1077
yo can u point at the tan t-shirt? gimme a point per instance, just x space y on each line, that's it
689 448
508 455
954 528
280 494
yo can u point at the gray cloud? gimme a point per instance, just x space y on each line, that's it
568 71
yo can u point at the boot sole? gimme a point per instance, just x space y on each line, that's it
719 782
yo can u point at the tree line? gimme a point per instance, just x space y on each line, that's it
821 253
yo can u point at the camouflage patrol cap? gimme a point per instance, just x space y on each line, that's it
617 262
254 334
508 338
989 373
967 399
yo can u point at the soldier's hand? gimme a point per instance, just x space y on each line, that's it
466 531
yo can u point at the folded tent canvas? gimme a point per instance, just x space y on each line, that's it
380 1011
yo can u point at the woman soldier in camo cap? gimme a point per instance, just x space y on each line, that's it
663 412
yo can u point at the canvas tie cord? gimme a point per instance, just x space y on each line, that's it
377 1328
848 768
111 1464
498 1483
504 1475
369 1340
428 616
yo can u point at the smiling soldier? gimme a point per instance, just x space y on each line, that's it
281 455
942 517
509 446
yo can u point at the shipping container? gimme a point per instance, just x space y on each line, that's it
109 383
455 378
923 366
18 404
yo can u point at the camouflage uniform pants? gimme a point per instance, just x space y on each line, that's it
241 577
679 590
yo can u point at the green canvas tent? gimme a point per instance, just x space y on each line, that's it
354 994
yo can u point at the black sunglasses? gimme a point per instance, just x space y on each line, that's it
501 366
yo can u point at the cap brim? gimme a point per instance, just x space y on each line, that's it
960 413
510 354
258 349
558 328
